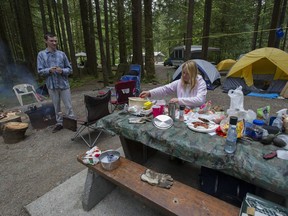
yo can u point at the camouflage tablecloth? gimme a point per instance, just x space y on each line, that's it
202 149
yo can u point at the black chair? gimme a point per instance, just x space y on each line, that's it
96 107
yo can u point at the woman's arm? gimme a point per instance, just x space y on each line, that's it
165 90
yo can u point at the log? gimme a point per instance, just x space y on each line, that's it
14 132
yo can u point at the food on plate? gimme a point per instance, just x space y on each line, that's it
200 124
204 120
147 105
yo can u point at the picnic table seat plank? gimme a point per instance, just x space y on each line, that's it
180 199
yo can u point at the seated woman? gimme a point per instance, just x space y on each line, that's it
191 89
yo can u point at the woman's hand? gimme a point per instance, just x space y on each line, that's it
145 94
174 100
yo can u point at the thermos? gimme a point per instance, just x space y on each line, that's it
171 110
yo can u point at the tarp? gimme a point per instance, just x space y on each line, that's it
225 65
263 64
208 71
83 54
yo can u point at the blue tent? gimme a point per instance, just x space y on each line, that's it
208 71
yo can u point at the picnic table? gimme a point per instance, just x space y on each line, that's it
202 149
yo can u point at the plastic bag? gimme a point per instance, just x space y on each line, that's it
278 122
236 99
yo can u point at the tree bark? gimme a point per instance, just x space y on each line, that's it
189 30
206 28
121 32
101 44
281 21
112 41
136 34
273 24
43 17
51 21
70 38
107 39
149 49
91 65
256 24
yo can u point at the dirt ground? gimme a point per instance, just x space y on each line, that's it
44 160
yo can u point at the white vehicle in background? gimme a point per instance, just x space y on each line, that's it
177 54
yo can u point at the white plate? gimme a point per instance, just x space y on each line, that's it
163 121
212 127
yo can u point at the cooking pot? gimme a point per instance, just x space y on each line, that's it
110 159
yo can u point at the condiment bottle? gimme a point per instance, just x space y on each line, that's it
181 112
230 145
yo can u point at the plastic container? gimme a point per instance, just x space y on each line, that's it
257 129
231 140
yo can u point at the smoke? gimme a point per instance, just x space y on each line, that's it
12 74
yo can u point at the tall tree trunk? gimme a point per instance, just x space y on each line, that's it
89 45
121 32
281 21
43 17
262 27
149 48
63 32
56 18
112 41
285 37
101 44
206 28
5 52
273 24
28 40
70 38
256 25
107 39
92 37
51 22
189 30
136 33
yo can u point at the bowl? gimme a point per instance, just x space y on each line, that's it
110 159
137 101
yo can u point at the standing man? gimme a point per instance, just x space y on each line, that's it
53 64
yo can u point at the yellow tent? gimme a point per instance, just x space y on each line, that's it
225 64
264 61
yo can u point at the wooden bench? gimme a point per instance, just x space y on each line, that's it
180 199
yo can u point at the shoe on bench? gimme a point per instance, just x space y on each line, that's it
57 128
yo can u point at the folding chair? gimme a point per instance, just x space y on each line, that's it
96 107
123 90
134 73
24 89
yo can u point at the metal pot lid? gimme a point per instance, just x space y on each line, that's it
163 122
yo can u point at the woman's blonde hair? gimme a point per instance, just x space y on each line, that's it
192 70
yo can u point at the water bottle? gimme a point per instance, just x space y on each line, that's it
230 145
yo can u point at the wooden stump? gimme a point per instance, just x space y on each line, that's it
14 132
12 118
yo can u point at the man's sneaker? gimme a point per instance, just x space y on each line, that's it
57 128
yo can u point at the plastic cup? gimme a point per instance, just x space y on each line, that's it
156 110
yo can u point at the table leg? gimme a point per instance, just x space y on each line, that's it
136 151
93 194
